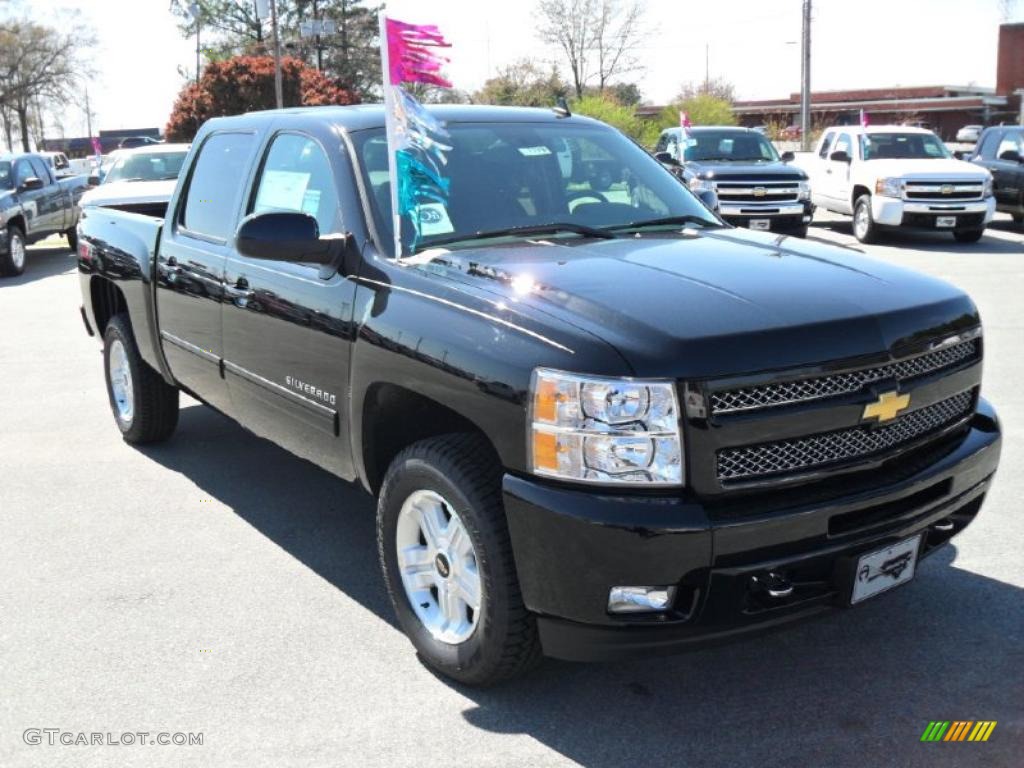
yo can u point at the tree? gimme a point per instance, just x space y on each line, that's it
702 109
717 87
38 63
610 111
246 83
523 84
597 38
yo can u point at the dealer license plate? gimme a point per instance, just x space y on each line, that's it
762 224
883 569
945 221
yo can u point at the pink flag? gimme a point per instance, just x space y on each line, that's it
864 122
684 120
412 56
97 148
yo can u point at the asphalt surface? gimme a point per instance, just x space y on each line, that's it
217 585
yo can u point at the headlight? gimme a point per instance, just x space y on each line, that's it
988 188
701 185
889 187
600 430
805 190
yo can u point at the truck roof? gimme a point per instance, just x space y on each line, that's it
362 116
708 128
12 156
860 129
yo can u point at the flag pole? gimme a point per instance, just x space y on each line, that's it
389 124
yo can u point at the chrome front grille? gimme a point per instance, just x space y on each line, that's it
943 191
821 387
757 191
807 454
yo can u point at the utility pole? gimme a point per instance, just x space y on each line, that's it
319 49
88 113
195 11
707 68
277 55
805 81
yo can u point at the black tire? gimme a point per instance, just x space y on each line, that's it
72 236
15 239
968 235
155 403
460 468
800 232
1018 218
864 227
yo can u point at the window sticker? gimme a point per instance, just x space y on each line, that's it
311 202
433 218
282 190
534 151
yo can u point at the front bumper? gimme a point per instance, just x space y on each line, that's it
571 546
892 212
782 216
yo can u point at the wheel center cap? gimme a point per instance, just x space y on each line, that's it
444 568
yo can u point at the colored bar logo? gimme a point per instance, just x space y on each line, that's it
958 730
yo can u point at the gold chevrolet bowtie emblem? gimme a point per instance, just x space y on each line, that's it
759 191
887 406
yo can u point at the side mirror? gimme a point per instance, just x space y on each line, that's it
709 198
788 157
283 236
93 180
666 157
1011 156
839 157
32 182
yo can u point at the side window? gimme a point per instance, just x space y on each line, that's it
825 143
844 144
22 171
297 176
1011 143
40 170
662 144
213 189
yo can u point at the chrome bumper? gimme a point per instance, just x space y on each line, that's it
761 209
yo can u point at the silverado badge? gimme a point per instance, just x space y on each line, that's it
887 406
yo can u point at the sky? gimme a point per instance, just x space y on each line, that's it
750 43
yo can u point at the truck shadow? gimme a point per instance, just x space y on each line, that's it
856 688
40 263
991 243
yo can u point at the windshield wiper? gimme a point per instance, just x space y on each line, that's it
553 228
688 218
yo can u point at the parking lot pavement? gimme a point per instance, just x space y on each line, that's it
216 584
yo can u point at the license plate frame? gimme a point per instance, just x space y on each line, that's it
761 225
945 222
883 569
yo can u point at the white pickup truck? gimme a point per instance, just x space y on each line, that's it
895 176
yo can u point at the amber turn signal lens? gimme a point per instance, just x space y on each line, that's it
545 401
545 450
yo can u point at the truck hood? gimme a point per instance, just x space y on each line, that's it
746 171
713 303
939 169
119 192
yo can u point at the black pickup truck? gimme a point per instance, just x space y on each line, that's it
756 187
34 204
597 423
1001 150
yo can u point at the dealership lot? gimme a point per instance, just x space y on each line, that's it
217 584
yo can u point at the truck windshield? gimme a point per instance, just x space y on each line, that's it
736 146
902 146
146 166
6 175
562 179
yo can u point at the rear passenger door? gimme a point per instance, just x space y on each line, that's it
288 326
51 204
190 263
819 186
837 174
1008 173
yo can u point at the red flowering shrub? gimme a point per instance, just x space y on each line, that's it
246 83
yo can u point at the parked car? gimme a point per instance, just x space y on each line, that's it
1000 150
34 204
791 133
131 142
58 163
896 176
969 133
139 178
755 186
595 428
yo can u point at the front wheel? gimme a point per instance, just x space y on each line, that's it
13 262
145 406
864 227
72 236
968 235
447 560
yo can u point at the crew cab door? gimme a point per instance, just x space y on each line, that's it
1008 173
190 263
31 200
51 201
288 326
819 184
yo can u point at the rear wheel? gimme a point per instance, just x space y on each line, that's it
447 560
145 407
864 227
968 235
800 231
13 262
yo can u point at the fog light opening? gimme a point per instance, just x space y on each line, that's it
640 599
